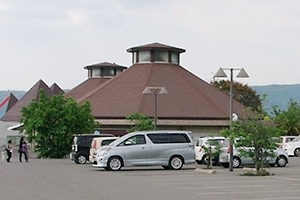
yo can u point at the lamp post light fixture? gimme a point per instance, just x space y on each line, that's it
221 74
155 91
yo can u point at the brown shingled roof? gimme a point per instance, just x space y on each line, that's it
56 89
155 45
11 102
189 97
88 85
14 114
104 64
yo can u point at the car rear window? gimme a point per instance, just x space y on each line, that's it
107 142
163 138
214 142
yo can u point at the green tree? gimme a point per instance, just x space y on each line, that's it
50 123
288 120
212 152
257 134
241 92
139 122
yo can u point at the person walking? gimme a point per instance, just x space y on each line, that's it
9 149
23 149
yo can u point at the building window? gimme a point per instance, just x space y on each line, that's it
118 71
108 72
175 58
161 56
144 56
95 73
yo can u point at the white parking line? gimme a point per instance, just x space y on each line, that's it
235 186
246 192
280 198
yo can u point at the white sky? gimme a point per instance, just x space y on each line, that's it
54 40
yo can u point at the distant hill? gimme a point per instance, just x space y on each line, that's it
278 95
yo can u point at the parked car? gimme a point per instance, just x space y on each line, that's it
293 148
98 142
81 147
213 142
281 158
283 140
169 149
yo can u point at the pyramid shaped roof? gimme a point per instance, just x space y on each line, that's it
56 89
156 46
189 97
14 113
11 102
88 85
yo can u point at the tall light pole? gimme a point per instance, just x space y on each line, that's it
242 74
155 91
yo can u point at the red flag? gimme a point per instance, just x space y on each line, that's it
4 101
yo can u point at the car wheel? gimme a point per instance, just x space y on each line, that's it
236 162
176 162
281 161
205 160
81 159
297 152
114 164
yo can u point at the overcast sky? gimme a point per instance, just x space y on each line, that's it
54 40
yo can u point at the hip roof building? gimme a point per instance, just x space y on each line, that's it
188 102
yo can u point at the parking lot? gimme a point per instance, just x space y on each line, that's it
62 179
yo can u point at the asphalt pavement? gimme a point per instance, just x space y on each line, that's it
45 179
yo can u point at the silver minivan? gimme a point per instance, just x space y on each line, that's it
169 149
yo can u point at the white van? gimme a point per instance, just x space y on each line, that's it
170 149
99 142
201 143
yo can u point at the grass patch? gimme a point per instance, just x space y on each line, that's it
262 173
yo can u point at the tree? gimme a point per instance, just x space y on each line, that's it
256 133
288 120
241 92
212 152
50 123
139 122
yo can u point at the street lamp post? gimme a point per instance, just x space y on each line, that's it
155 91
242 74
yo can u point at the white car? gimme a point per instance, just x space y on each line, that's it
284 140
200 153
97 143
281 158
293 148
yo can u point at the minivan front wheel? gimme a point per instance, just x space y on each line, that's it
114 164
176 162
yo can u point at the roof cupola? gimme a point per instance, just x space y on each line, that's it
104 70
155 52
